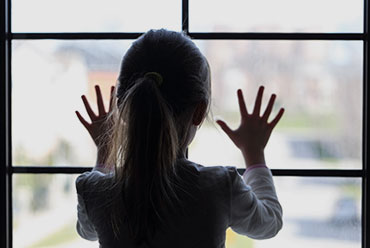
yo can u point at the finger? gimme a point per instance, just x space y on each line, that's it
225 127
257 104
99 99
89 111
268 110
242 107
277 118
82 120
111 98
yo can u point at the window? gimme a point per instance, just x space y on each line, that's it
313 54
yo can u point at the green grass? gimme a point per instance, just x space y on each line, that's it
297 120
234 240
305 121
65 234
352 190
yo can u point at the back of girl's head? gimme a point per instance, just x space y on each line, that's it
154 115
175 57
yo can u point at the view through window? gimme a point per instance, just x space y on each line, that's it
318 82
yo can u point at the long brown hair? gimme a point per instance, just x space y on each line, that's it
150 126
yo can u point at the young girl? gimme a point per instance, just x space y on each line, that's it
143 192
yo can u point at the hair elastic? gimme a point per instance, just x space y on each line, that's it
156 76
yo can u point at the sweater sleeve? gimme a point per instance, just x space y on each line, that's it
84 226
255 209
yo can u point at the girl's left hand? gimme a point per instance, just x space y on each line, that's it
98 127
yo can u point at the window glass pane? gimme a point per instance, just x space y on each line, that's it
276 16
95 15
48 79
317 212
45 212
319 83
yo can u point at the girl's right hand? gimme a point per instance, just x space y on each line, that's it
98 128
254 131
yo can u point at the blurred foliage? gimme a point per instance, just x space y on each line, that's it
60 153
64 235
352 190
38 185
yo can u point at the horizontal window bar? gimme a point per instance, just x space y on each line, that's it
75 36
204 36
317 173
51 170
279 36
275 172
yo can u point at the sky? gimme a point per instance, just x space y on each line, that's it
204 15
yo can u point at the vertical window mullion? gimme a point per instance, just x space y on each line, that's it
3 173
5 157
9 161
185 29
185 16
365 180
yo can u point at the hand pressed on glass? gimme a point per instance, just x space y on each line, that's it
98 128
254 131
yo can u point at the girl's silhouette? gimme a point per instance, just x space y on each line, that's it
143 192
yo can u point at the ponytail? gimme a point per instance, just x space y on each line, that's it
144 148
152 126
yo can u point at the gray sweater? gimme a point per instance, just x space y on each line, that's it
221 198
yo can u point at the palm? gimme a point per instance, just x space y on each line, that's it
98 127
254 131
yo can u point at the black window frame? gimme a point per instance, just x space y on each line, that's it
7 169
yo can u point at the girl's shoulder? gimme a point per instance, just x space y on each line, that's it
93 180
213 174
218 169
